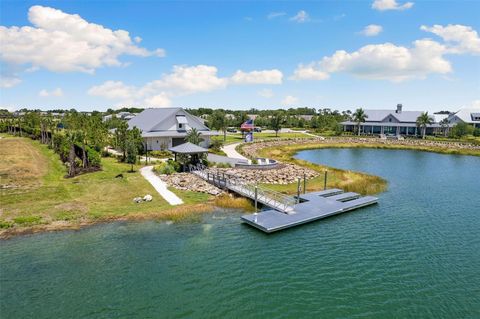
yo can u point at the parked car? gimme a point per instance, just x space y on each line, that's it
257 129
231 130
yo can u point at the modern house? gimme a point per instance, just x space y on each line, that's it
392 122
469 116
163 128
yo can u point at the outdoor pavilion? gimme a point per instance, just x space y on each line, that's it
189 149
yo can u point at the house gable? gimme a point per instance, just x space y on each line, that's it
171 123
390 119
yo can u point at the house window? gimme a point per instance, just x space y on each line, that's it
180 125
390 119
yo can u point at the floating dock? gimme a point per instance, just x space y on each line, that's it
311 207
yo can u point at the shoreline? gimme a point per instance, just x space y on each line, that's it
174 214
282 150
441 147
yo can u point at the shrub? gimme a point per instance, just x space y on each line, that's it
164 168
216 145
461 129
160 154
93 157
176 166
223 165
27 220
476 132
4 224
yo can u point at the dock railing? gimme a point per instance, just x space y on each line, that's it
268 197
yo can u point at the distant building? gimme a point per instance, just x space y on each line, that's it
466 115
106 118
392 122
163 128
307 118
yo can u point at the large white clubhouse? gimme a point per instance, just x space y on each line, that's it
404 123
163 128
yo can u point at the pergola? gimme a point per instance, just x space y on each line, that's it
188 149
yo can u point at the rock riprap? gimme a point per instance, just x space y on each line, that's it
285 174
190 182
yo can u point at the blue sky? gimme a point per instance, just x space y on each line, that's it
240 54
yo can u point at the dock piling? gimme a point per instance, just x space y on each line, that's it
298 190
304 183
325 181
256 198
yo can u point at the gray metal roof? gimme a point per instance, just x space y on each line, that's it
403 116
149 118
177 133
466 115
188 148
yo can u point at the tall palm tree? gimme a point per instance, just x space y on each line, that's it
359 117
193 136
444 124
72 138
422 121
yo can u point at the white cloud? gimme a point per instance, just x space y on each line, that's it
266 93
476 104
383 5
7 82
382 62
62 42
459 38
54 93
159 100
273 15
113 90
183 80
309 72
273 76
187 80
301 17
289 100
372 30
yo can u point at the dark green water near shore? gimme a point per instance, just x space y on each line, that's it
415 255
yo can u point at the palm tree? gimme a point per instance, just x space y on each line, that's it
359 117
72 138
422 121
193 136
444 124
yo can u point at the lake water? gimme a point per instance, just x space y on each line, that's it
415 254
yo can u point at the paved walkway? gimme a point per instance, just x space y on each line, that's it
229 149
160 186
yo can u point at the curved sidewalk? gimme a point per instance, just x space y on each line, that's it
230 151
160 186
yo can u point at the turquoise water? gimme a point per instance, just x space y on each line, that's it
416 254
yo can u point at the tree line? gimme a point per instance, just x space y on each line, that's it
79 139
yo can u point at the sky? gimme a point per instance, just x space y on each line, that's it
94 55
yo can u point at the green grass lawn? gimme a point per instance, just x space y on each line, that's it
43 196
237 137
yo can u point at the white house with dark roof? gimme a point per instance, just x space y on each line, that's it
164 128
469 116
